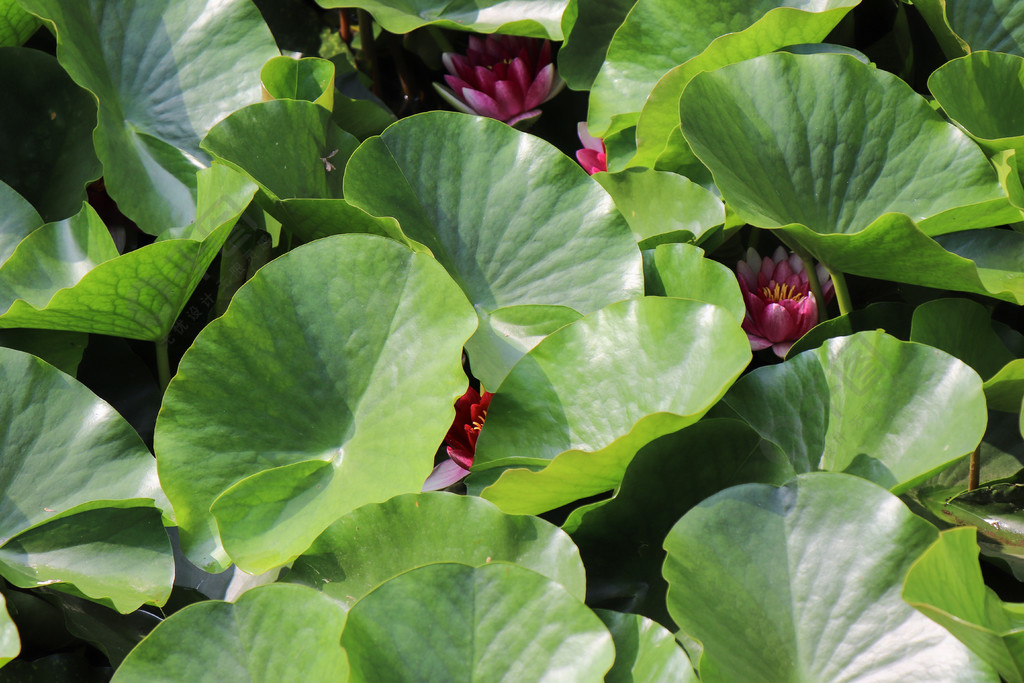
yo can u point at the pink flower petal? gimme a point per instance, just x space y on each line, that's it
776 323
526 118
782 271
483 80
444 475
541 86
782 348
586 139
796 263
518 74
591 161
779 254
506 94
757 343
753 259
748 280
481 103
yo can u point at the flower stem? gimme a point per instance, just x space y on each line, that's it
842 292
163 364
369 48
812 280
974 472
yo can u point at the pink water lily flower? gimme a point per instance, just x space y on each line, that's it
503 77
593 157
780 305
470 413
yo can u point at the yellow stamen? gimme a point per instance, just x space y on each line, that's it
781 292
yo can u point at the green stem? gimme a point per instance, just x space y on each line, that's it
974 473
812 280
163 364
842 292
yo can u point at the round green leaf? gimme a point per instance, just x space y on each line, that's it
376 542
657 204
620 539
46 150
946 585
962 328
16 25
450 622
10 642
310 79
79 491
514 220
565 405
18 220
703 36
588 26
892 412
984 93
512 17
269 634
1005 389
645 652
182 66
802 583
801 139
975 25
680 270
327 384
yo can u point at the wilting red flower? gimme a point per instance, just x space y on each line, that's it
593 157
470 413
503 77
780 306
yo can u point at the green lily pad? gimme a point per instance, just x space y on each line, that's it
46 150
18 220
377 542
588 27
16 25
450 622
310 79
564 405
704 36
802 583
620 539
10 643
514 220
659 205
893 318
298 163
1005 389
68 275
964 26
962 328
512 17
78 512
312 395
269 634
644 651
62 350
946 585
892 412
984 93
183 66
680 270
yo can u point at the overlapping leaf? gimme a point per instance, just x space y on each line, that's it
79 492
514 220
16 25
327 384
376 542
164 73
974 25
10 643
682 271
245 641
644 651
585 399
310 79
803 582
588 27
451 622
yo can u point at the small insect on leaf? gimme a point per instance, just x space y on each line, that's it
328 166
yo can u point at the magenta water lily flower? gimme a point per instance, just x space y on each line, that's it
780 305
593 157
503 77
470 413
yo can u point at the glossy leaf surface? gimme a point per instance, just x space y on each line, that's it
644 651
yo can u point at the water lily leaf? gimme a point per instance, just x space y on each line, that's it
962 328
984 93
68 275
892 412
946 585
514 220
10 643
755 574
588 27
62 350
563 405
377 542
18 220
511 17
111 633
16 25
267 635
644 651
680 270
451 622
661 206
299 165
620 539
292 388
703 37
974 25
807 147
310 79
1005 389
183 66
893 318
46 150
80 490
